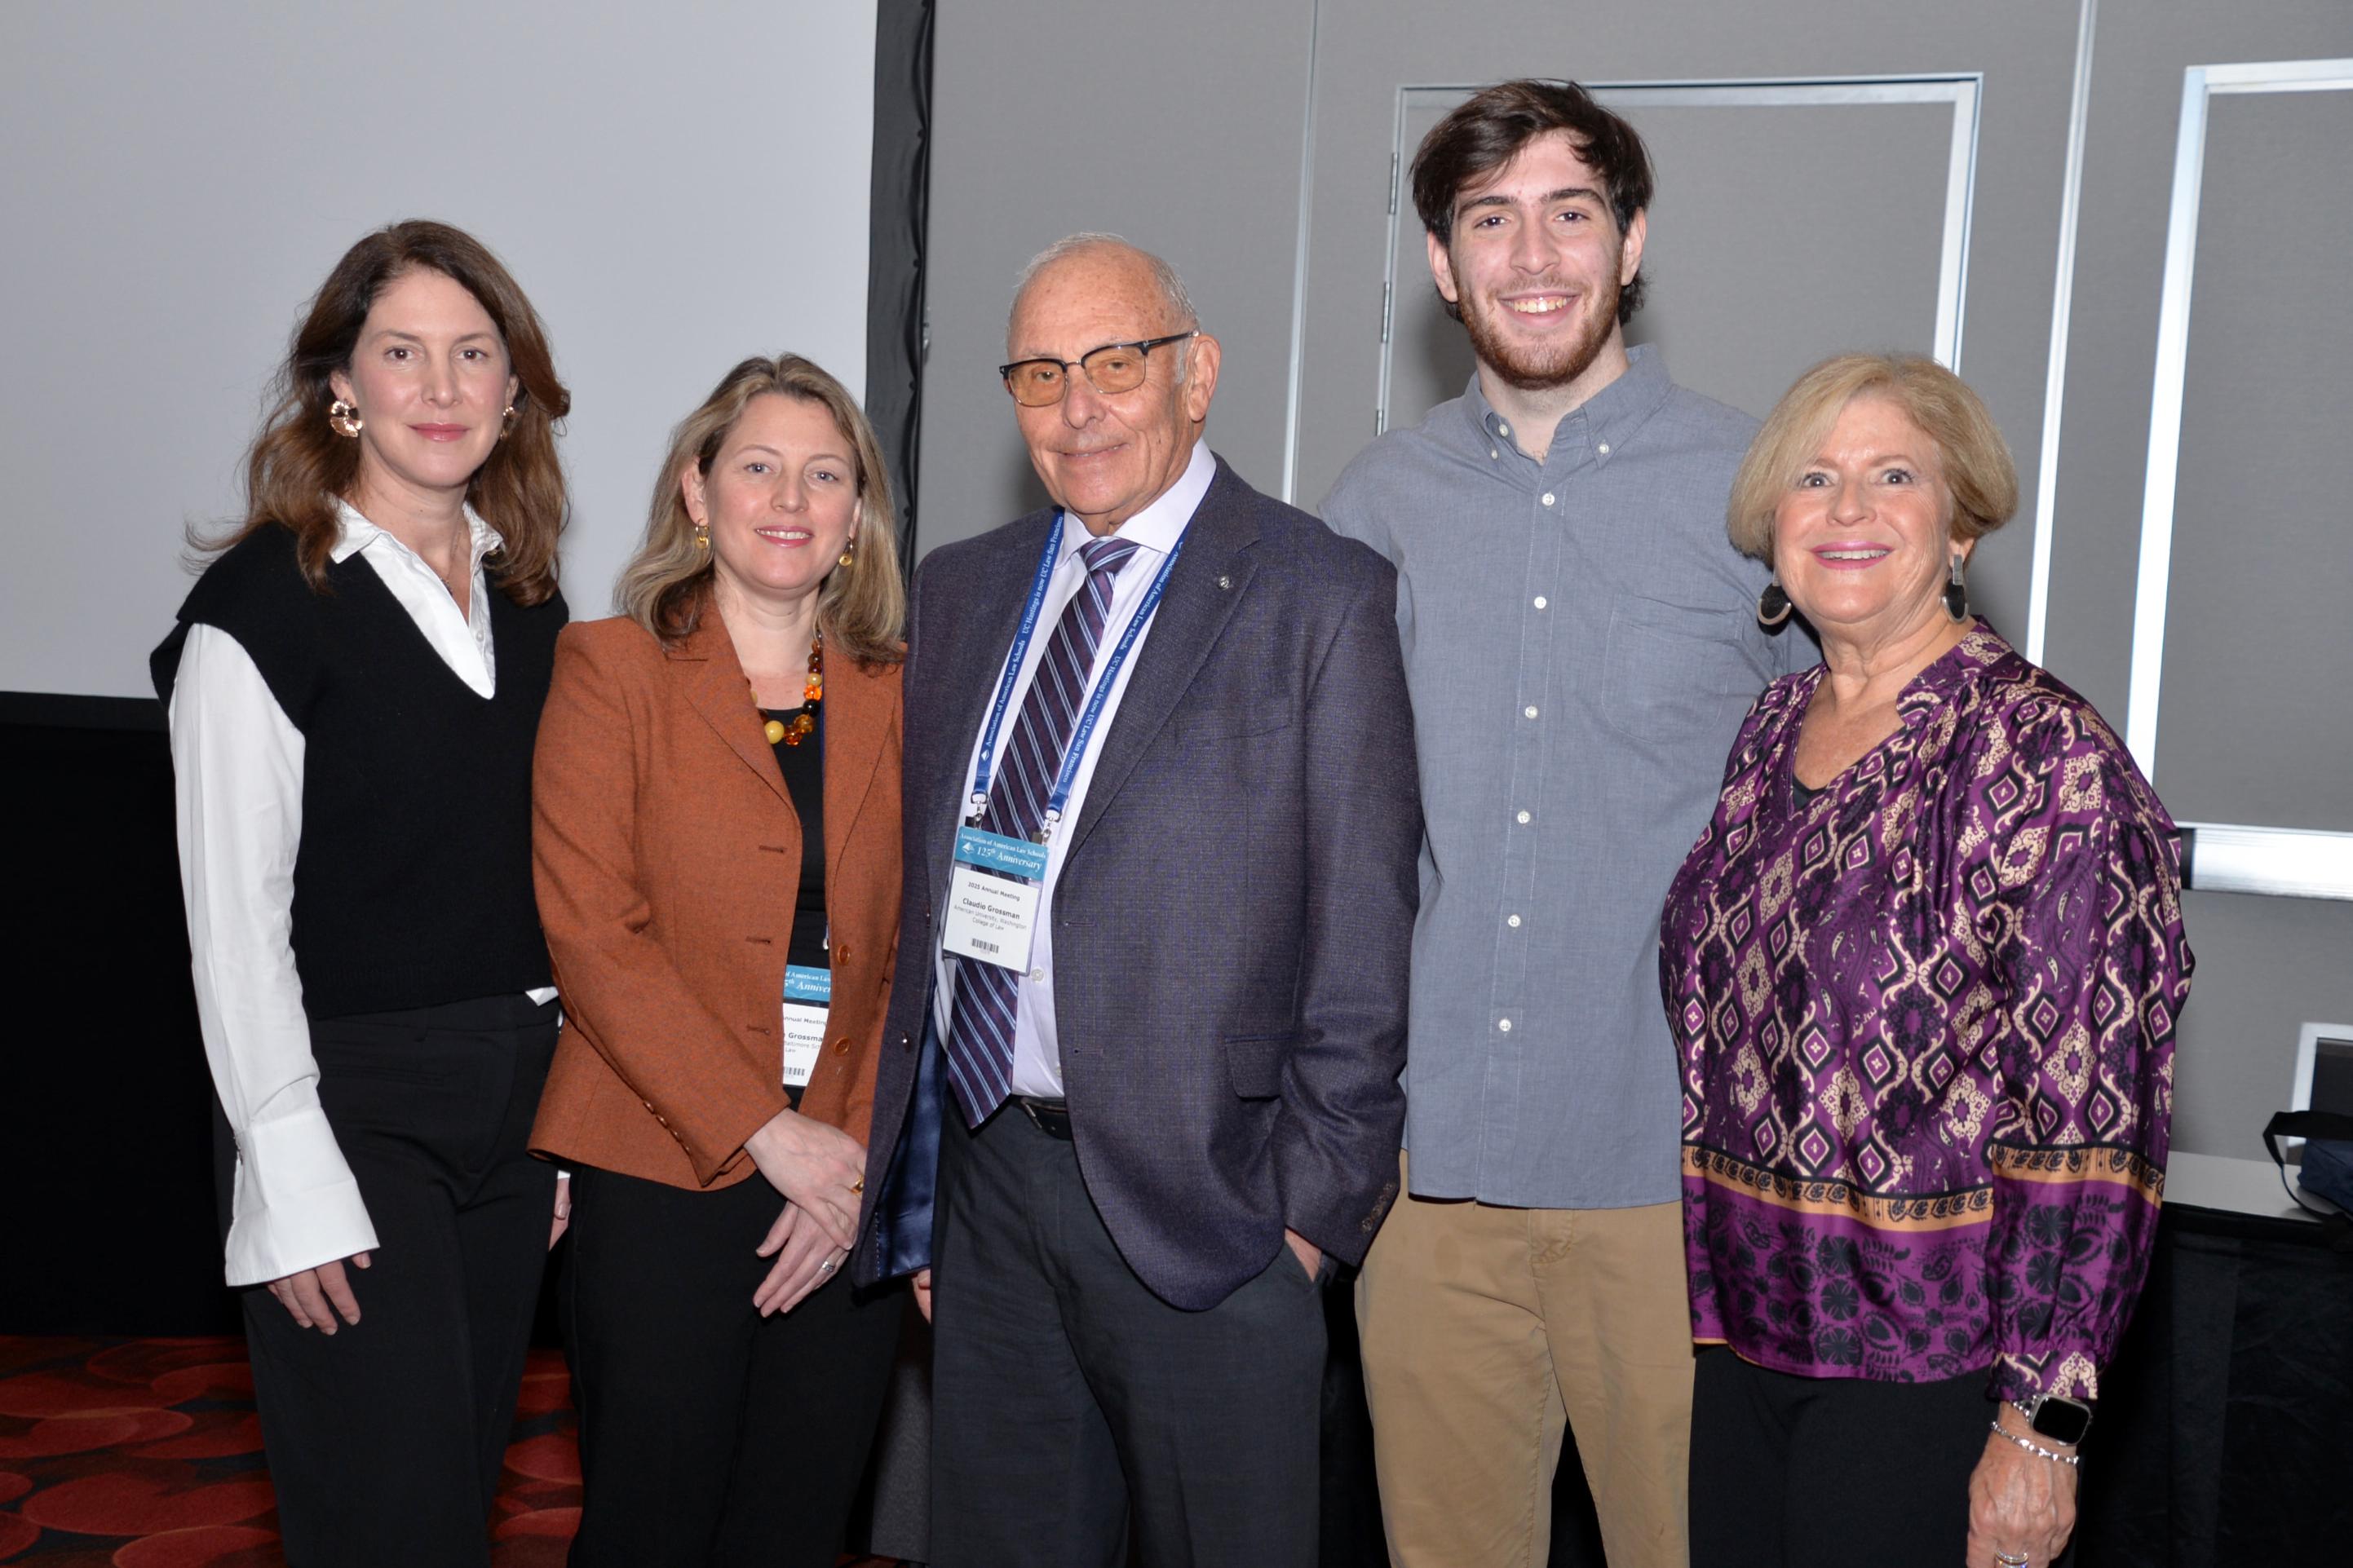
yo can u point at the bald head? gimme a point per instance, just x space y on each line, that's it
1108 250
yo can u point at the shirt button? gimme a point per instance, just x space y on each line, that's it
1505 1025
1529 711
1547 498
1524 816
1493 453
1512 920
1603 448
1540 601
1501 428
1039 975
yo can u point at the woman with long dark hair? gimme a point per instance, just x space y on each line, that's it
354 687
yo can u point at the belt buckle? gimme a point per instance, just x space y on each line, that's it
1037 1114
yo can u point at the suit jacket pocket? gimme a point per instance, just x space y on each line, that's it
1232 719
1254 1064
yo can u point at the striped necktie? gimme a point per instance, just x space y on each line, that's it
980 1024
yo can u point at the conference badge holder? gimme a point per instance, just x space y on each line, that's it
994 886
808 993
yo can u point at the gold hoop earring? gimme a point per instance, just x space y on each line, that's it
343 418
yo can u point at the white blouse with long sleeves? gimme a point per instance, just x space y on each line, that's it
237 788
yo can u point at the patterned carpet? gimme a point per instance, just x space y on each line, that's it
147 1454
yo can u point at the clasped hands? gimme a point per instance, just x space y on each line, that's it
821 1172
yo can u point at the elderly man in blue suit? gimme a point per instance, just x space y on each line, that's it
1162 826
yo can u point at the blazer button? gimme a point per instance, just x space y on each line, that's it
841 1046
841 952
906 1042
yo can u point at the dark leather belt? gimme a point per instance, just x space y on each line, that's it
1052 1117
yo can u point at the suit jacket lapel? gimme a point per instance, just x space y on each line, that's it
966 630
1211 575
706 666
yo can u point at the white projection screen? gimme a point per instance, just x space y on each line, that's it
676 187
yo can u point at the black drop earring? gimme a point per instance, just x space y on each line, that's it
1773 604
1957 593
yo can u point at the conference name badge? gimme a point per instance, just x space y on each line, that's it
993 897
808 993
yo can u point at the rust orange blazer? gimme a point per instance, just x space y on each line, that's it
668 859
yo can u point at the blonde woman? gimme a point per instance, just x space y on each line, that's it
717 849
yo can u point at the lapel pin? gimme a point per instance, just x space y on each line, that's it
1224 581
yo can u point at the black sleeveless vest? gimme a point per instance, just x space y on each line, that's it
412 886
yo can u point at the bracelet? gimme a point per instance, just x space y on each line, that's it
2052 1454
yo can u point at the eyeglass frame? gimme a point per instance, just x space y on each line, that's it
1143 347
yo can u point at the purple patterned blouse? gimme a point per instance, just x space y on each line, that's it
1925 1028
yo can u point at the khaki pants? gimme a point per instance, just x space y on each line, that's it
1485 1329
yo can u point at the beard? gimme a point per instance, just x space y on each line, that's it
1533 368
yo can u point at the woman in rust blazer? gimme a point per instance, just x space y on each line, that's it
716 840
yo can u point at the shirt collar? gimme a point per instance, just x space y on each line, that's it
358 533
1158 526
1611 415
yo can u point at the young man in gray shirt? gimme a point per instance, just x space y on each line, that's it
1581 641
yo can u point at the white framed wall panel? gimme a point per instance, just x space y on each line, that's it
2305 861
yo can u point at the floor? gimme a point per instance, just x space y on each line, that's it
147 1454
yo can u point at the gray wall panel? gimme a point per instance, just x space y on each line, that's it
2255 721
2144 47
2266 967
1176 126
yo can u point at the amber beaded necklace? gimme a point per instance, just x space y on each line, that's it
794 731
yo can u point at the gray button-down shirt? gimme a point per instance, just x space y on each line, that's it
1582 644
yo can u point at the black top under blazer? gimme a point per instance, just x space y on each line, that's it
1234 917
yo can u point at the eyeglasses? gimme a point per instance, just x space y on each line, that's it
1112 369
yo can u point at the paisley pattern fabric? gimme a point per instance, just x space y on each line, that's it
1926 1028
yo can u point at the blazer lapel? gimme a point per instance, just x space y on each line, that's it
855 720
1211 575
966 634
707 668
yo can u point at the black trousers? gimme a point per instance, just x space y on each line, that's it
1831 1472
384 1441
708 1433
1079 1420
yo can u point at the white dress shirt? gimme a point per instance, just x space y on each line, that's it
1037 1058
236 764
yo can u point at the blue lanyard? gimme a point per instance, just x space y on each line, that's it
1106 675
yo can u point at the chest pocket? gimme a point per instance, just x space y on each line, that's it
1668 670
1242 718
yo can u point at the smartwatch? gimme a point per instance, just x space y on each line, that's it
2057 1417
